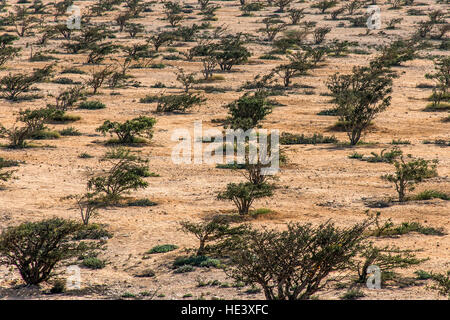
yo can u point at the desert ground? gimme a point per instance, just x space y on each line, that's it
318 183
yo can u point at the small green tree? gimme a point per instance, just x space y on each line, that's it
324 5
360 97
246 112
214 236
294 264
33 121
231 51
36 248
126 173
386 258
12 86
7 51
244 194
409 173
128 131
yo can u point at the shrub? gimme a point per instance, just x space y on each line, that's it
127 131
93 231
36 260
290 138
70 131
59 286
246 112
13 86
432 194
93 263
360 97
213 236
162 248
92 105
293 264
386 258
442 283
125 174
244 194
33 123
409 173
179 102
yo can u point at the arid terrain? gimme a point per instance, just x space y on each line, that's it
319 182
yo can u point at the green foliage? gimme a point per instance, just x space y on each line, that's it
126 132
409 173
163 248
12 86
244 194
34 259
126 174
141 202
195 261
246 112
360 96
179 102
92 105
33 121
70 131
442 283
93 231
93 263
213 236
293 264
386 258
431 194
317 138
422 275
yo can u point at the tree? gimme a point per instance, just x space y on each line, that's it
161 38
22 20
442 78
282 4
299 64
125 174
128 131
386 258
244 194
173 12
33 122
186 79
407 174
272 26
294 264
36 248
7 52
324 5
231 51
296 15
320 33
246 112
98 78
360 96
214 236
13 86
